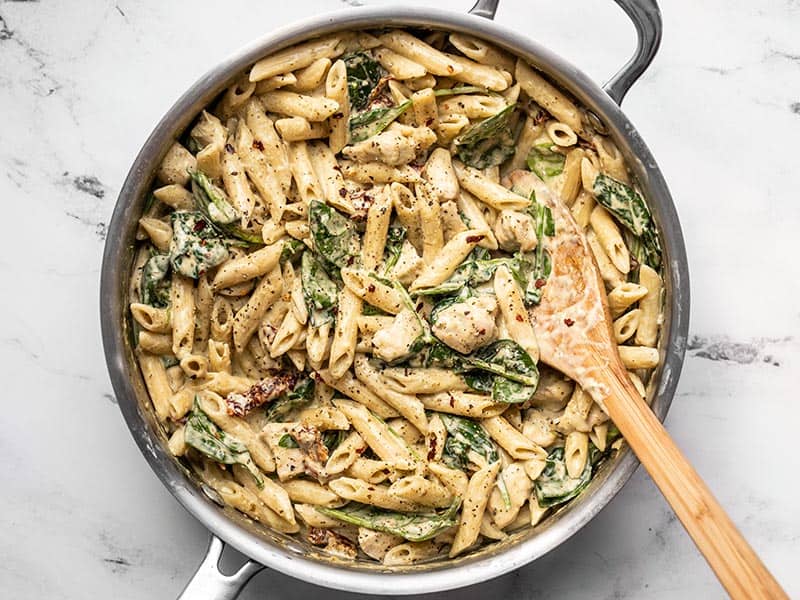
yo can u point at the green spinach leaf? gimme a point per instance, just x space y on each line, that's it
505 370
414 527
394 246
371 122
196 246
319 291
488 143
301 395
554 486
336 241
204 436
364 74
154 288
212 202
629 208
545 162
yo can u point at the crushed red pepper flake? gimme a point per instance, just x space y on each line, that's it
540 283
569 322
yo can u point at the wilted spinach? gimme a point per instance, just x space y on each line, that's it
489 142
154 287
204 436
336 241
629 208
196 246
506 370
363 76
545 162
554 486
319 291
301 395
371 122
414 527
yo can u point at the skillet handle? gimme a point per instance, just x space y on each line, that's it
646 17
485 8
209 583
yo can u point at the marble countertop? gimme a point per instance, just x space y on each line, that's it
83 83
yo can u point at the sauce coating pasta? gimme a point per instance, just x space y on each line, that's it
331 298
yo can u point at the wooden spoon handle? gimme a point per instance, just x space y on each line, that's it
737 566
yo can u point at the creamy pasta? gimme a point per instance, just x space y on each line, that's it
332 295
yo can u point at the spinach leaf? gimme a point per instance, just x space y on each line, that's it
336 241
545 162
319 292
462 89
332 438
301 395
463 436
287 441
371 122
629 208
213 204
196 246
204 436
489 142
506 370
363 75
291 250
555 486
535 267
154 288
220 210
393 248
477 268
414 527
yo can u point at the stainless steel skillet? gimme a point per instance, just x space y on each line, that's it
291 556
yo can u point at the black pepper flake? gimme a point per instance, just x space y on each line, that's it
343 192
420 306
234 173
228 148
429 122
258 144
371 288
337 115
569 322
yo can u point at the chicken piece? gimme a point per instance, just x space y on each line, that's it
515 231
376 544
334 543
398 145
409 264
395 341
466 326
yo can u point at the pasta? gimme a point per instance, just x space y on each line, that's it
331 297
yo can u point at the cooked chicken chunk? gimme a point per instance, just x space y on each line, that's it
515 231
394 342
466 326
409 264
398 145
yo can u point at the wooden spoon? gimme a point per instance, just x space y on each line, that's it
573 327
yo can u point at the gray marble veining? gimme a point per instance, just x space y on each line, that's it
81 86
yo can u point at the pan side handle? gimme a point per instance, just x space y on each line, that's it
485 8
209 583
646 17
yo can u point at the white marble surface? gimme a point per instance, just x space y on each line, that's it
83 83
